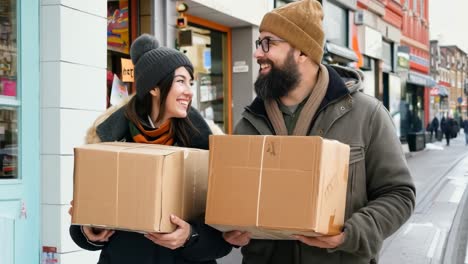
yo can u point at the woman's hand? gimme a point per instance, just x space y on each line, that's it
175 239
97 234
70 211
93 234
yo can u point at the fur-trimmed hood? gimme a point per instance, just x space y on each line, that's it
111 125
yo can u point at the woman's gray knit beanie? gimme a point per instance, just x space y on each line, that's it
153 63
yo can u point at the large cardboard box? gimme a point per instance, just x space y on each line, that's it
276 186
133 186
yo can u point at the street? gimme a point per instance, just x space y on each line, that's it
436 233
441 176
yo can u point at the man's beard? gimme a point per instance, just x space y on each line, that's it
279 81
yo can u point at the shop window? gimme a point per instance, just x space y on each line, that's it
208 53
119 35
387 56
335 24
9 97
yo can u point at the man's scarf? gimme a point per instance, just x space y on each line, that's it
307 113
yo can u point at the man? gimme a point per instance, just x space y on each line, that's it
297 95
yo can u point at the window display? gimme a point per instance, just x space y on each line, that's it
8 91
8 49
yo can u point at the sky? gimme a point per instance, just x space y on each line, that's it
448 22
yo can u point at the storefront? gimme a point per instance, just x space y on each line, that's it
209 49
337 25
438 101
122 29
19 132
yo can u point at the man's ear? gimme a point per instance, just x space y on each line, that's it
302 56
155 92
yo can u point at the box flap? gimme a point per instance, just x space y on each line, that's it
236 177
333 186
85 209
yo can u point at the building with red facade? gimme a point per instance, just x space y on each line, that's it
376 38
414 54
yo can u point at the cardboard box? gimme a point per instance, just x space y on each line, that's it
276 186
137 187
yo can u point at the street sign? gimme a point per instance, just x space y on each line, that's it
459 100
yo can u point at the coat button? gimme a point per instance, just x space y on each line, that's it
320 131
350 100
342 108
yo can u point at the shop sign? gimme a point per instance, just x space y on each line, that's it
127 70
372 40
240 66
49 255
118 26
403 57
434 91
421 79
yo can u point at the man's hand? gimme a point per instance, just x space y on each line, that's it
237 238
322 241
175 239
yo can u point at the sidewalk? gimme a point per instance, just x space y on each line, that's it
439 176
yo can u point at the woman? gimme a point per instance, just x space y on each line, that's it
160 113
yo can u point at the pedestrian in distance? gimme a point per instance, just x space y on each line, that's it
159 113
446 126
434 126
298 95
465 130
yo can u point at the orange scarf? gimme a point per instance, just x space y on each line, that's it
161 135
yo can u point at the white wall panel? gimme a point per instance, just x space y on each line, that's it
55 224
79 257
98 8
57 183
79 38
82 87
63 129
247 10
50 33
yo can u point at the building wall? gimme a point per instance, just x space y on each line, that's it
73 94
242 82
247 10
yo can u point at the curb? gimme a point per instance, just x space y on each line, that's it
454 251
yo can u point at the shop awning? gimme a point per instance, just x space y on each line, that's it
439 90
443 91
421 79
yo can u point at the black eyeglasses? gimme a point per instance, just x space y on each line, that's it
265 43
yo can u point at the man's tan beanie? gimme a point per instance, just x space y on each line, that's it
300 24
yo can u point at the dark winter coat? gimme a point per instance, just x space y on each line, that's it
381 193
133 248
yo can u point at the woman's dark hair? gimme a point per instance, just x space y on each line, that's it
182 129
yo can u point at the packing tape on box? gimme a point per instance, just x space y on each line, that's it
260 180
118 169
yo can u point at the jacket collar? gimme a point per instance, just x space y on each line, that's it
336 89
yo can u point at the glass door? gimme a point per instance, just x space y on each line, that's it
210 52
19 132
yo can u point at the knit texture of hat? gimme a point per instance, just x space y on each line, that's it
153 63
300 24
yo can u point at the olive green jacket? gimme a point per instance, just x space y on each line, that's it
381 193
